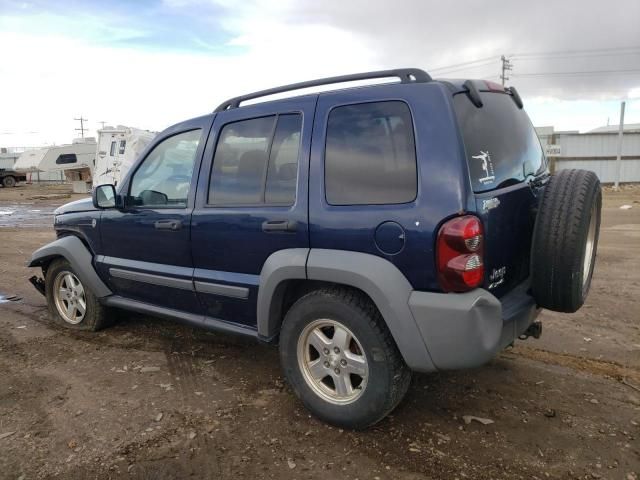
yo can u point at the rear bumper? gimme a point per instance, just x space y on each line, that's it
464 330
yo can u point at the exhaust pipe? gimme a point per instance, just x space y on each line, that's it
534 330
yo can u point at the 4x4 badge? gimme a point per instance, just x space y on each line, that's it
487 166
490 203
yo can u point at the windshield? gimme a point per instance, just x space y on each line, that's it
501 145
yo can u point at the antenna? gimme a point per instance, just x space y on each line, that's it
81 129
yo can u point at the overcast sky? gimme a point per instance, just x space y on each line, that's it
151 63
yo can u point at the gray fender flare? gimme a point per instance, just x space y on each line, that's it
387 287
288 264
80 258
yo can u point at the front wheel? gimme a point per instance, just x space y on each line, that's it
71 304
340 359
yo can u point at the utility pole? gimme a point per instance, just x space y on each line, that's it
619 156
506 66
102 122
81 129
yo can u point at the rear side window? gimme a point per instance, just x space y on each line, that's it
370 156
256 162
501 144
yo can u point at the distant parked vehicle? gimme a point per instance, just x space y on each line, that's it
118 149
369 232
10 178
73 161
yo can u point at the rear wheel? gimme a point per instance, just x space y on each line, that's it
71 304
565 240
340 359
9 181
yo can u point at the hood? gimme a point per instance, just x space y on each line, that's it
82 205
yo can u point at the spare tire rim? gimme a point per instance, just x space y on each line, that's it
332 361
69 297
588 248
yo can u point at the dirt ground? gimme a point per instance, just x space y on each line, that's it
150 399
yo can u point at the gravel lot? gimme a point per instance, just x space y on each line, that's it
153 400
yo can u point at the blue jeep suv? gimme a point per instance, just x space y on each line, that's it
368 231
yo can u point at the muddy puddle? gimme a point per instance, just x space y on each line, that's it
9 298
26 215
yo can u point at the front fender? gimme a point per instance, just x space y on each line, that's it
78 255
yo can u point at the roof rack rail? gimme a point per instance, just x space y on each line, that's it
406 75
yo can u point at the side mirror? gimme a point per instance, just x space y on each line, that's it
104 196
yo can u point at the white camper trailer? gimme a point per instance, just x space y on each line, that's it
118 149
74 161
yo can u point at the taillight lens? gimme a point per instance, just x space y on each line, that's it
459 252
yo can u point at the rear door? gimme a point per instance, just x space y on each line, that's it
251 202
364 177
506 164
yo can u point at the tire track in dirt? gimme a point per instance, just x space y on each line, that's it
602 368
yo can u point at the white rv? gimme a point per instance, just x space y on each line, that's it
118 149
74 161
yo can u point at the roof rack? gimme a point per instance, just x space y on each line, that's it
406 75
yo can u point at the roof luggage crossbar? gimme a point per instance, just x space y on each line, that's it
406 75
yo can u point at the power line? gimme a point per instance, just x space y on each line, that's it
525 56
586 72
464 64
587 52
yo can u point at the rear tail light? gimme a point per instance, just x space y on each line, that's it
459 252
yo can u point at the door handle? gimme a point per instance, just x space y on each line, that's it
279 226
168 225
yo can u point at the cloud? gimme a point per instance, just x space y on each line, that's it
435 33
152 63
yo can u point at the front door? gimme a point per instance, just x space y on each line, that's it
146 245
251 202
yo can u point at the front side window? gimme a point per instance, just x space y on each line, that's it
66 158
256 162
164 177
370 156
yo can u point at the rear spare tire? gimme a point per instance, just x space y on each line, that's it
565 239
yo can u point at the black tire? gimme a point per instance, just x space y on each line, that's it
571 201
96 316
9 181
388 376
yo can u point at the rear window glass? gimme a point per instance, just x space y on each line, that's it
501 144
370 156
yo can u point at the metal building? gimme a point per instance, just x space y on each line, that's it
595 150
